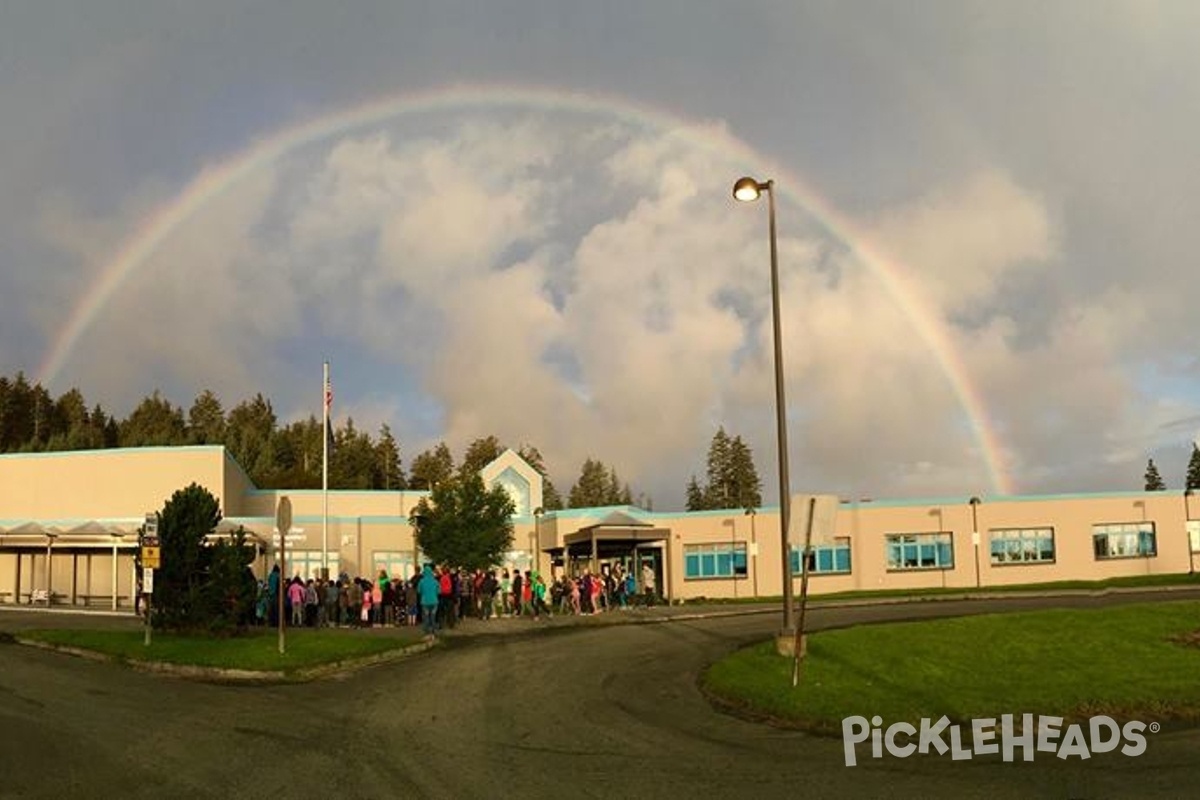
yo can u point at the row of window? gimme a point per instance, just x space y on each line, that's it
728 559
918 551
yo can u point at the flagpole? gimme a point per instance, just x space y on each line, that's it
325 401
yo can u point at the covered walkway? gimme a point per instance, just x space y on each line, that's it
620 538
89 564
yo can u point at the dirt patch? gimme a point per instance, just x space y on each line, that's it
1189 639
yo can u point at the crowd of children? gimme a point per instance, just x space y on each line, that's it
481 594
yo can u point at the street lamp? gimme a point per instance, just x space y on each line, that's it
746 190
975 501
1187 513
537 535
752 513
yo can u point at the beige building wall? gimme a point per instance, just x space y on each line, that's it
369 529
103 484
1070 519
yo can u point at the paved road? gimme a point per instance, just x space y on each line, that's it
595 711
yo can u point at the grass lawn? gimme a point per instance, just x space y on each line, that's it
257 651
1118 661
1128 582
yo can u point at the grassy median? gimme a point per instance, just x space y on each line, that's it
1125 661
255 651
1178 579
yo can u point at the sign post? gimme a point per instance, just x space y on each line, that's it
283 523
151 555
819 521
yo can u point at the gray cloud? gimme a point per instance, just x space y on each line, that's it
587 284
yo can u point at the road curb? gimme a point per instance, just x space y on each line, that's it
222 675
818 604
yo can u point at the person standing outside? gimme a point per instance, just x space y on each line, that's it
517 592
506 593
429 590
648 584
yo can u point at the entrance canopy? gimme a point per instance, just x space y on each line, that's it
615 535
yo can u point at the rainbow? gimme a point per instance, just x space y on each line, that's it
216 180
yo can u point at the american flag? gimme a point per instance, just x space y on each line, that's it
329 415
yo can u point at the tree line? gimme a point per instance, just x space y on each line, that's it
1191 479
731 479
275 456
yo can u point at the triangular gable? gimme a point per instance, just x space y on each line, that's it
507 466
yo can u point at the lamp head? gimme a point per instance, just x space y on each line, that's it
975 501
747 189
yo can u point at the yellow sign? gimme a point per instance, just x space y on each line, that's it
151 557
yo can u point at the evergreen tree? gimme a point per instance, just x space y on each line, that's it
1193 470
18 427
155 422
695 496
103 428
431 467
248 436
732 478
298 449
479 454
46 421
745 485
200 586
354 462
551 499
1154 481
387 454
184 522
592 488
718 492
206 420
74 428
598 486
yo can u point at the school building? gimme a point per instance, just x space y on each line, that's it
69 521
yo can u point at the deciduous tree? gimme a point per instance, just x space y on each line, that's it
464 524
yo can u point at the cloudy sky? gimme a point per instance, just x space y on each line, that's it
514 218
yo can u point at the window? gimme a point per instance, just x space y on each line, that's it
1124 540
1193 527
722 560
307 563
826 558
396 563
1022 545
920 551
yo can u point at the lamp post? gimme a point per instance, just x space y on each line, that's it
1187 525
50 537
975 501
746 190
116 537
535 552
752 513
